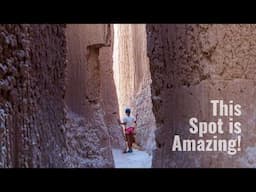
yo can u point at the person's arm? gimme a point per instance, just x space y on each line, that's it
135 120
135 124
120 123
123 127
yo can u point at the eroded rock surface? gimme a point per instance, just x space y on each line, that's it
91 95
32 64
55 85
190 65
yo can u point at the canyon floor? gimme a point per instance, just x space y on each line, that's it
136 159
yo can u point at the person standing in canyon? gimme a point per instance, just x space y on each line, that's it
129 123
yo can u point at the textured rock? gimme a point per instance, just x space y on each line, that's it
91 94
191 64
86 142
58 99
55 106
108 94
32 74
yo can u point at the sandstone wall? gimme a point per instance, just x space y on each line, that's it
133 79
32 63
55 85
191 64
91 98
109 94
124 65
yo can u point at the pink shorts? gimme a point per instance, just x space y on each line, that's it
129 130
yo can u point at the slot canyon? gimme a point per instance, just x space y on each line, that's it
63 87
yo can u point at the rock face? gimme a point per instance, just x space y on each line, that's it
108 94
59 103
32 63
55 87
133 79
91 98
190 65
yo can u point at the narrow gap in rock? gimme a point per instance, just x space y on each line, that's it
133 86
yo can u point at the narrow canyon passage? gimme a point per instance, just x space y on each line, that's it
108 71
132 80
63 87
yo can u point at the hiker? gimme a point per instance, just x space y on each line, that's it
129 122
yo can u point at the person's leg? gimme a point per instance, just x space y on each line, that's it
130 141
126 143
133 138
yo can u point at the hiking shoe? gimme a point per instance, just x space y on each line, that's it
129 151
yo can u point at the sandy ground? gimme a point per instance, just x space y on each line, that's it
136 159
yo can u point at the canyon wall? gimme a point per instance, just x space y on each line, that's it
32 63
108 94
190 65
133 79
91 99
55 87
